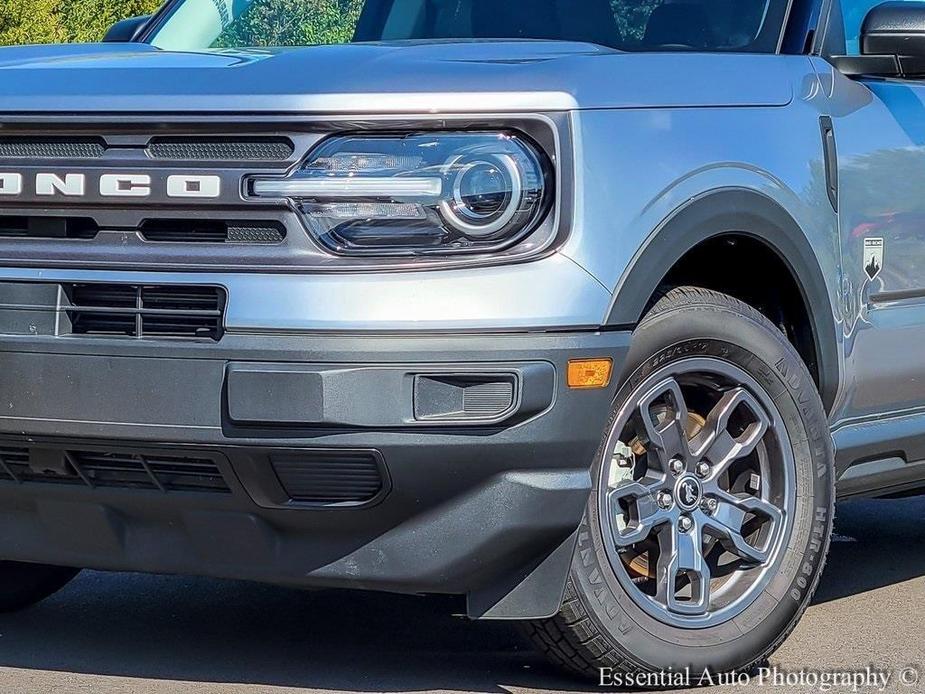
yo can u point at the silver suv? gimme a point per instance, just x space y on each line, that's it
576 308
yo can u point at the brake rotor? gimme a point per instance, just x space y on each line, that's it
640 566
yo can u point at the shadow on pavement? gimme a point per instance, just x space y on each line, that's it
231 632
878 543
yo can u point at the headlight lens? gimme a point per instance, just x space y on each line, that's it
423 193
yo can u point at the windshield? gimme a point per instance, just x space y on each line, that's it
753 26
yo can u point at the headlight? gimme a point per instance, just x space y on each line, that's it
419 193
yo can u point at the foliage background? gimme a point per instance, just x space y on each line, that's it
52 21
269 22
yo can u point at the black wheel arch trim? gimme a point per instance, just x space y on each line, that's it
743 212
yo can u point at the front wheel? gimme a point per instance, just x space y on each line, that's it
713 501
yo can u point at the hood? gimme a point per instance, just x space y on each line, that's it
404 77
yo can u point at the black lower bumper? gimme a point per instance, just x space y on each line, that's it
319 461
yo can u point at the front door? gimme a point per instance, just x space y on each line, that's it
879 127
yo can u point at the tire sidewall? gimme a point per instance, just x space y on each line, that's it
752 344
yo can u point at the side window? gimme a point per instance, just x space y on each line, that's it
854 12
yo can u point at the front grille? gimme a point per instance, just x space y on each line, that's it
221 149
101 470
330 478
211 231
145 311
51 148
81 224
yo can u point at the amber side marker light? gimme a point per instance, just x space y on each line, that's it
589 373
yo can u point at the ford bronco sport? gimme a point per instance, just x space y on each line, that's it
579 309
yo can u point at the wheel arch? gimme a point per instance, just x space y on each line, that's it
740 212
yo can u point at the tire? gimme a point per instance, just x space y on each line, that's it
608 625
23 585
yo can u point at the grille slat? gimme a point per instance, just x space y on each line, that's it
51 148
146 311
212 231
39 227
187 148
221 149
115 470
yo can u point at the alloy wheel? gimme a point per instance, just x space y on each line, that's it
696 492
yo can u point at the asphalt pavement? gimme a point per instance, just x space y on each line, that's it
109 633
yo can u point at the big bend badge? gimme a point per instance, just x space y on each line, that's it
873 257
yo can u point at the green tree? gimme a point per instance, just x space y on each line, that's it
88 20
30 21
632 16
293 23
64 21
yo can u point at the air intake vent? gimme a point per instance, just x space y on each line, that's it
148 311
221 149
207 231
51 148
100 470
330 478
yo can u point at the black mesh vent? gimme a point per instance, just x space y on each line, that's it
145 311
51 148
221 149
207 231
112 470
329 478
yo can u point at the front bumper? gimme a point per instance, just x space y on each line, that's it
486 506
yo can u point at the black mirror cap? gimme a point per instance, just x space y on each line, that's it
128 30
894 28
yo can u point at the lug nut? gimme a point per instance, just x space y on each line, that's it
685 524
676 466
709 506
703 469
664 500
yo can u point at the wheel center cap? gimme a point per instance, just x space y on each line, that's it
687 493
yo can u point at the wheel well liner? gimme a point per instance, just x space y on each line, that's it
743 213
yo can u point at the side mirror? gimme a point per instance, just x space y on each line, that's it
894 28
892 42
127 30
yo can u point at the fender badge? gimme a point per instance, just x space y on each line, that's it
873 257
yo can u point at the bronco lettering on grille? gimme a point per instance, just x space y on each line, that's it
112 185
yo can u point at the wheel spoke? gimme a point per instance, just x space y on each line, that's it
681 554
716 444
649 514
729 517
668 438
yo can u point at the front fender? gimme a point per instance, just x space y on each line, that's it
748 213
